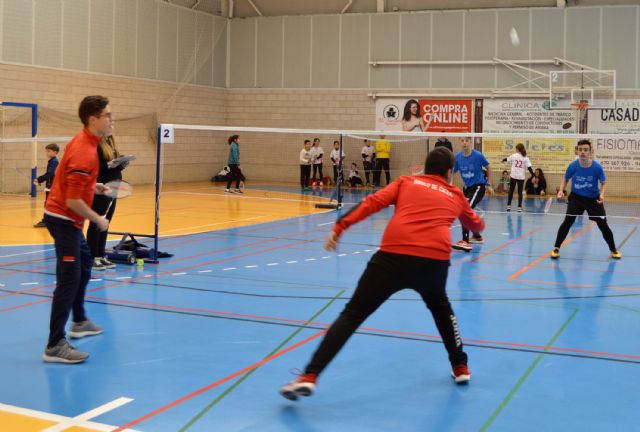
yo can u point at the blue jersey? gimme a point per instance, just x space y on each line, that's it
584 181
470 167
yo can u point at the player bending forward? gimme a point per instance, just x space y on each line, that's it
414 253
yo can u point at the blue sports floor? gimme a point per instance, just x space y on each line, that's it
204 340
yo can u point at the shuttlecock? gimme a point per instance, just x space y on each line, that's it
513 35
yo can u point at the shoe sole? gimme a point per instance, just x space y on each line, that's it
293 394
98 268
462 248
78 335
476 241
53 359
462 379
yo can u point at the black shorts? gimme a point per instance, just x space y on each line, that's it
578 204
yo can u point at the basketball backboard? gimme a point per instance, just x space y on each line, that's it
595 87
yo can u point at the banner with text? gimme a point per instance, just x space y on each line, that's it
424 115
624 118
620 153
526 116
552 155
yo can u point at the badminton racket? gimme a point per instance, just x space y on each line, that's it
117 189
549 203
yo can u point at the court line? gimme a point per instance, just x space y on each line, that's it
25 253
481 343
627 237
76 421
248 374
43 415
491 252
12 308
277 320
526 375
217 383
548 254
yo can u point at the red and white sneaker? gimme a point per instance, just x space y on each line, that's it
304 385
461 374
475 239
463 246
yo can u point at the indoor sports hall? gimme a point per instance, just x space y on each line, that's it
221 291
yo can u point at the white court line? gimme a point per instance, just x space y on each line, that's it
310 259
228 268
326 257
1 285
251 266
273 264
291 262
29 283
178 274
355 253
89 415
343 254
205 271
25 253
326 223
95 280
55 418
123 277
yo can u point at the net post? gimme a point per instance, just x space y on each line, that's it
34 146
340 174
154 257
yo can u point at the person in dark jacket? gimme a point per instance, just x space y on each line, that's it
52 151
102 204
537 184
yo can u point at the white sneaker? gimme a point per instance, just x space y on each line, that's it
98 265
106 263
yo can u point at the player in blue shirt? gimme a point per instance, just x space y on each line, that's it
470 164
586 194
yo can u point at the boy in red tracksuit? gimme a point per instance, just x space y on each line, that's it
414 253
67 207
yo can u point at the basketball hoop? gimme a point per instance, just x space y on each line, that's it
581 106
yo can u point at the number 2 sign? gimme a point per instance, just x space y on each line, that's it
166 134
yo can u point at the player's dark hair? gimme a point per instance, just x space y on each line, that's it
53 146
307 141
233 138
439 161
406 116
584 141
91 106
521 149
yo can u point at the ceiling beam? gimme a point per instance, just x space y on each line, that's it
346 8
255 8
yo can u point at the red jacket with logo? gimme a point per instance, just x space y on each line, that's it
75 178
426 206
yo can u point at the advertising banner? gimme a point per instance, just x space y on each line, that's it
552 155
623 119
424 115
526 116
